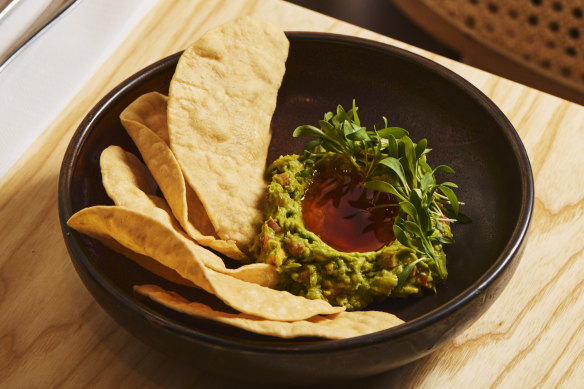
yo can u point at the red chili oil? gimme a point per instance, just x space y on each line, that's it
337 207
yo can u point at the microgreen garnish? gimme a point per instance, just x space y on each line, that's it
393 163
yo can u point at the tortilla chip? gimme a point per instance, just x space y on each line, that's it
146 235
338 326
127 182
147 263
125 179
145 122
256 273
221 101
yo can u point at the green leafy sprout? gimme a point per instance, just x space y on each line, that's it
394 164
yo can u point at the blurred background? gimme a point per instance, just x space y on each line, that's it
539 43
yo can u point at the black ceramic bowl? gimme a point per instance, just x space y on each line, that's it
465 130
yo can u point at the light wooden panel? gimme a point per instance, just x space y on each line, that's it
52 333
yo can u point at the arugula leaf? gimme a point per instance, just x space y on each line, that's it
395 166
385 187
401 236
451 198
421 147
307 130
396 132
403 276
443 169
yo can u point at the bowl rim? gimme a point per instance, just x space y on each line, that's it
508 254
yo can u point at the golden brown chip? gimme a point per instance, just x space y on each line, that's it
147 236
145 122
338 326
146 262
125 178
221 101
256 273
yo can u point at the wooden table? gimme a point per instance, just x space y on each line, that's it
52 332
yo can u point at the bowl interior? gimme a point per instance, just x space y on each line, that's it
464 129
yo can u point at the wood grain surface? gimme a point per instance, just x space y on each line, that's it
53 334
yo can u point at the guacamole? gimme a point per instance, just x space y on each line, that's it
312 268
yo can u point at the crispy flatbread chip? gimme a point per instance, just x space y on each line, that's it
221 101
337 326
147 236
125 178
145 121
129 184
146 262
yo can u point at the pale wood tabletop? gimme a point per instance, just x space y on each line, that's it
53 333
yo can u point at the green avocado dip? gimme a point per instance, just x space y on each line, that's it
376 215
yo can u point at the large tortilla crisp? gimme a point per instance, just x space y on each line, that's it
129 184
338 326
145 121
221 101
174 251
